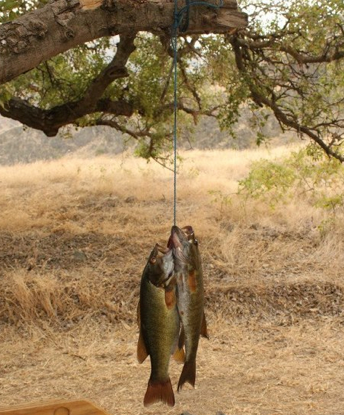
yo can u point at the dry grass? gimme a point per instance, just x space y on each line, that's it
244 369
74 238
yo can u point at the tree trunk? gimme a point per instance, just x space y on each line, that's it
64 24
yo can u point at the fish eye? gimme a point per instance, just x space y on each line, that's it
152 260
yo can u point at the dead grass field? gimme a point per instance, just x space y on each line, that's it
74 238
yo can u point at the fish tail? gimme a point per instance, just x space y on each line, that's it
159 391
188 374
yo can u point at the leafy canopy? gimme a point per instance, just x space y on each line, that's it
288 63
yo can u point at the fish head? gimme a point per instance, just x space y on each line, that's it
160 266
179 245
185 248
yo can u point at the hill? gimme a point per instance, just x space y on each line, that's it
25 145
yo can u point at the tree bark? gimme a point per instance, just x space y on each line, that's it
65 24
49 121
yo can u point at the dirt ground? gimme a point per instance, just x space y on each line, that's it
71 258
246 368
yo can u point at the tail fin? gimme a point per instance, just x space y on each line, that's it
159 391
188 374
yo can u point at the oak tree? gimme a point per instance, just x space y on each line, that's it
108 62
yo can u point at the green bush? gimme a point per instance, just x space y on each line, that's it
303 174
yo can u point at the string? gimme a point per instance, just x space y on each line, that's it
175 109
178 17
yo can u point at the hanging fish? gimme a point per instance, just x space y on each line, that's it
159 323
190 293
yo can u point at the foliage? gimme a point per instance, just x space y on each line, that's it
11 9
288 63
301 175
292 62
63 78
6 92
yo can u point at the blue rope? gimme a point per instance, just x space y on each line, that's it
178 17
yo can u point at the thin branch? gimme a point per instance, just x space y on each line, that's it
258 89
49 121
114 124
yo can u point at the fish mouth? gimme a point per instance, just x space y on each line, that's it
179 239
163 250
178 236
167 254
165 257
160 251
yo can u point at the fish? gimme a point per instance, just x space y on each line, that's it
190 297
159 324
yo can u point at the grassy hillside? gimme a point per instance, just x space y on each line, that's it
19 144
74 238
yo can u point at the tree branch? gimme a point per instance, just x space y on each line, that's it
328 55
260 95
125 130
49 121
64 24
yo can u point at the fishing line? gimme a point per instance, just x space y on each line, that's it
177 21
174 42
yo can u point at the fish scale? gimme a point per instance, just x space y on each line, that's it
190 297
159 324
171 307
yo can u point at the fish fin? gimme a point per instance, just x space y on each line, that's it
170 298
179 355
188 374
204 330
181 340
141 349
159 392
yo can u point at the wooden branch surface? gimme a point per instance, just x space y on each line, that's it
64 24
49 121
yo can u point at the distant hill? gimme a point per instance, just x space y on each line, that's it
20 144
6 124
